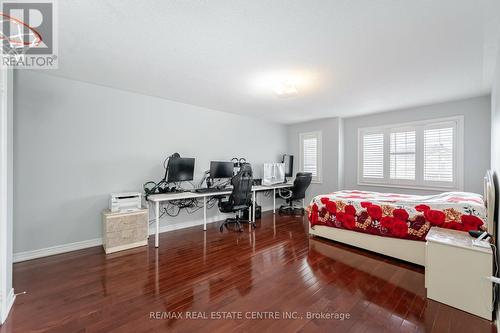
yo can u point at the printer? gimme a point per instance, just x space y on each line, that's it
125 202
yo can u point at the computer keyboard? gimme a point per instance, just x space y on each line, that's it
211 190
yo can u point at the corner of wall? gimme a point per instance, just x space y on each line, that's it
7 304
340 161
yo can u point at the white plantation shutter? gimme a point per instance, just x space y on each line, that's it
423 155
402 155
310 154
373 155
438 154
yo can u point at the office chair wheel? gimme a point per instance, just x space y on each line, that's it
240 229
229 221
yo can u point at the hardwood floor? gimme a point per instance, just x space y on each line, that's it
266 273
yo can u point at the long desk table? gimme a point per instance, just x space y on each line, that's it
157 199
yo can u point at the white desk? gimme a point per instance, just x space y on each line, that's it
159 198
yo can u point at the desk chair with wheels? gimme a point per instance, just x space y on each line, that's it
297 192
240 199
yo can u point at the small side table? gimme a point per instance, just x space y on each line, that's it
122 231
456 272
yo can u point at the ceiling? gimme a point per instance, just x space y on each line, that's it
351 57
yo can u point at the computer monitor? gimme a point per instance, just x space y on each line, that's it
180 169
221 169
288 160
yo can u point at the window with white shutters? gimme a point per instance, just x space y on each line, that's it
373 155
424 154
402 155
438 154
310 154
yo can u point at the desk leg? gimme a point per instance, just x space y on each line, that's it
157 218
253 206
274 201
204 213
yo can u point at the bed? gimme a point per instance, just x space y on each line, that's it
396 224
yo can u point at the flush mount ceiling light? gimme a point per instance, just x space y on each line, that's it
283 83
286 89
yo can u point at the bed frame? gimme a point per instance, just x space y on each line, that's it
404 249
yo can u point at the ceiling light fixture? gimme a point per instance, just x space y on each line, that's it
285 83
286 89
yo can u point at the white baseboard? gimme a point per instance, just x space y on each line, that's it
11 297
58 249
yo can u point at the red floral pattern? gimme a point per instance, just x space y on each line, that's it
375 212
403 218
386 222
435 217
349 209
422 208
401 214
399 228
349 222
470 222
331 207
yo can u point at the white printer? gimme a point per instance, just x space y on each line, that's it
125 202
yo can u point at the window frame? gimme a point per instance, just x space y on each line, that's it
318 135
418 126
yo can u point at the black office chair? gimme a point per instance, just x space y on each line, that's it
297 192
240 199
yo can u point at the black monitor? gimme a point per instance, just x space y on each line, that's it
288 160
180 169
221 169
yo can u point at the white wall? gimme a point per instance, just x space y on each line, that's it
331 136
476 112
77 142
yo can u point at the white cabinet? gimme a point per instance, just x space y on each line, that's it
123 231
456 272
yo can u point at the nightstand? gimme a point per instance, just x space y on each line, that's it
456 272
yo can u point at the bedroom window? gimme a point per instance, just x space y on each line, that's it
402 155
373 155
422 155
310 154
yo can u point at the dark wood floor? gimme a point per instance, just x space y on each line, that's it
277 268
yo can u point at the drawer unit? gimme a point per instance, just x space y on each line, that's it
123 231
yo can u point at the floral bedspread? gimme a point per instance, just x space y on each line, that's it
398 215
